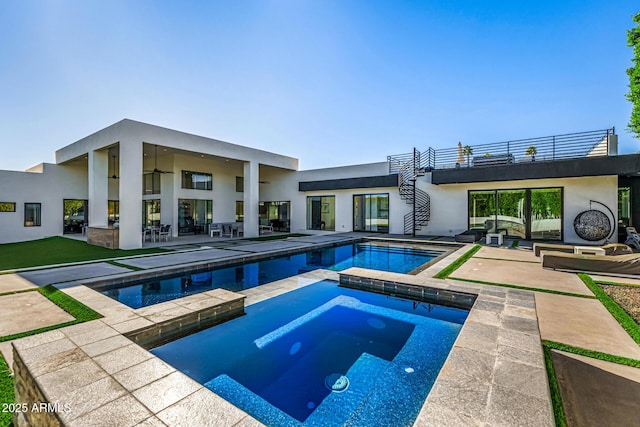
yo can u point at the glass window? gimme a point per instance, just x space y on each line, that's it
482 210
239 184
151 213
511 212
371 212
239 211
7 207
32 214
624 208
321 213
524 213
75 215
194 216
114 210
546 213
275 213
151 183
197 180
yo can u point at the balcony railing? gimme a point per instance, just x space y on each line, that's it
547 148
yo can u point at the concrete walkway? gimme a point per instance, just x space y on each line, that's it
514 267
594 392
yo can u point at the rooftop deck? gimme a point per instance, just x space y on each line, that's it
597 143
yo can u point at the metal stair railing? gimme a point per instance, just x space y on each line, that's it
408 173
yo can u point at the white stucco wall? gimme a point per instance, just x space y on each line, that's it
449 201
284 186
49 187
131 130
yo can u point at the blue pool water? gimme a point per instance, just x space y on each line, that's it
396 258
335 356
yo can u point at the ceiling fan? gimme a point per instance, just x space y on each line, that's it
114 176
155 164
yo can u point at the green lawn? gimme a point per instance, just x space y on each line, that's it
6 392
58 250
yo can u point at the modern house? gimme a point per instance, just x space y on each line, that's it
130 175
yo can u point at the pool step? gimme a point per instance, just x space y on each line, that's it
336 407
234 392
392 399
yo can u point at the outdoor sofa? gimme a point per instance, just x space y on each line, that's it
609 264
612 249
469 236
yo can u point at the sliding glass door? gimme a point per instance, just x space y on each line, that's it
371 213
546 214
511 212
194 216
321 213
276 214
534 213
151 213
75 215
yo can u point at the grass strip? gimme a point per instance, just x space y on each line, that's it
81 312
556 397
127 266
59 250
524 288
628 285
6 392
620 360
625 320
72 306
275 237
446 272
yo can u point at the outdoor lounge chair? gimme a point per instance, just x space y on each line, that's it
617 265
469 236
227 230
633 238
612 249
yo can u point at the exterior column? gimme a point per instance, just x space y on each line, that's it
251 198
130 194
98 188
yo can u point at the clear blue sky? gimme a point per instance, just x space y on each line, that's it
332 82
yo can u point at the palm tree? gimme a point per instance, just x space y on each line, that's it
531 151
467 151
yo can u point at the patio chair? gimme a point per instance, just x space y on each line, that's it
215 229
227 230
146 231
615 265
469 236
633 238
165 231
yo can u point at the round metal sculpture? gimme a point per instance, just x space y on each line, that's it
592 225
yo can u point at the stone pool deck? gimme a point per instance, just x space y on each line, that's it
494 375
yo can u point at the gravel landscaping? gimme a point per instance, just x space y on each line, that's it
628 297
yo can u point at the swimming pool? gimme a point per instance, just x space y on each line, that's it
386 257
335 356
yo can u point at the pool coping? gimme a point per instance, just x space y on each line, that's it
494 374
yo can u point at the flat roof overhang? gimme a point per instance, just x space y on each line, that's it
628 164
151 135
390 180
